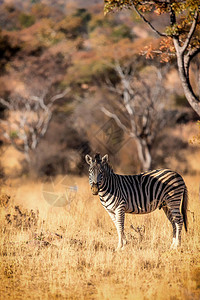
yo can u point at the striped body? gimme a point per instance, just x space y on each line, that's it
143 193
140 194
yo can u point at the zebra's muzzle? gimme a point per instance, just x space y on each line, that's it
94 189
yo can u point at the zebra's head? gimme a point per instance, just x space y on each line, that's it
96 171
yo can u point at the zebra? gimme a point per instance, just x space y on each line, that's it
139 194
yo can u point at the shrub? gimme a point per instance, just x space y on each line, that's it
120 32
26 20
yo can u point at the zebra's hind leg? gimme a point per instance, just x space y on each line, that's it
175 242
177 236
176 220
124 239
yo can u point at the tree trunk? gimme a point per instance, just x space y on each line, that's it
144 154
183 68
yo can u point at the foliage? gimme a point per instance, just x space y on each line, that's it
74 25
183 29
183 10
26 20
14 134
159 7
116 4
180 100
10 8
92 67
40 10
120 32
76 49
196 139
83 14
70 26
87 67
8 48
46 33
98 21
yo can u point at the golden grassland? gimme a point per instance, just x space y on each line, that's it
69 252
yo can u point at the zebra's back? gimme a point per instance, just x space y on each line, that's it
145 192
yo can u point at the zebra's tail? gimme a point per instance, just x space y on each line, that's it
184 208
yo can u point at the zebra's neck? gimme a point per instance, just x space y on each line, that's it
107 177
108 189
107 170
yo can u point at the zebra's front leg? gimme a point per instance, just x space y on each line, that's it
118 219
119 223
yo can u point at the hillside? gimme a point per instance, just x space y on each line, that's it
44 51
63 5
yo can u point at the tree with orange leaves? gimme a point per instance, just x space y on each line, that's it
181 37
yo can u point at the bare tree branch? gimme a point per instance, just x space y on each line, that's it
149 23
141 100
6 104
59 96
117 120
31 121
190 33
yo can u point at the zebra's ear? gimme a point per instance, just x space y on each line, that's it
88 159
105 158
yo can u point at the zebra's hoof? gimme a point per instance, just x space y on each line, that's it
118 249
174 247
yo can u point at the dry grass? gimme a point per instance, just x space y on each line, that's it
68 253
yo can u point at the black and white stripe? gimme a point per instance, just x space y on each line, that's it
139 194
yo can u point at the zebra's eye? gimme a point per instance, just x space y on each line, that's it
92 170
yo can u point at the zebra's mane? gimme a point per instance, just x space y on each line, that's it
97 157
107 166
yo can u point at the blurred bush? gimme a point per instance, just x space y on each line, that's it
26 20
